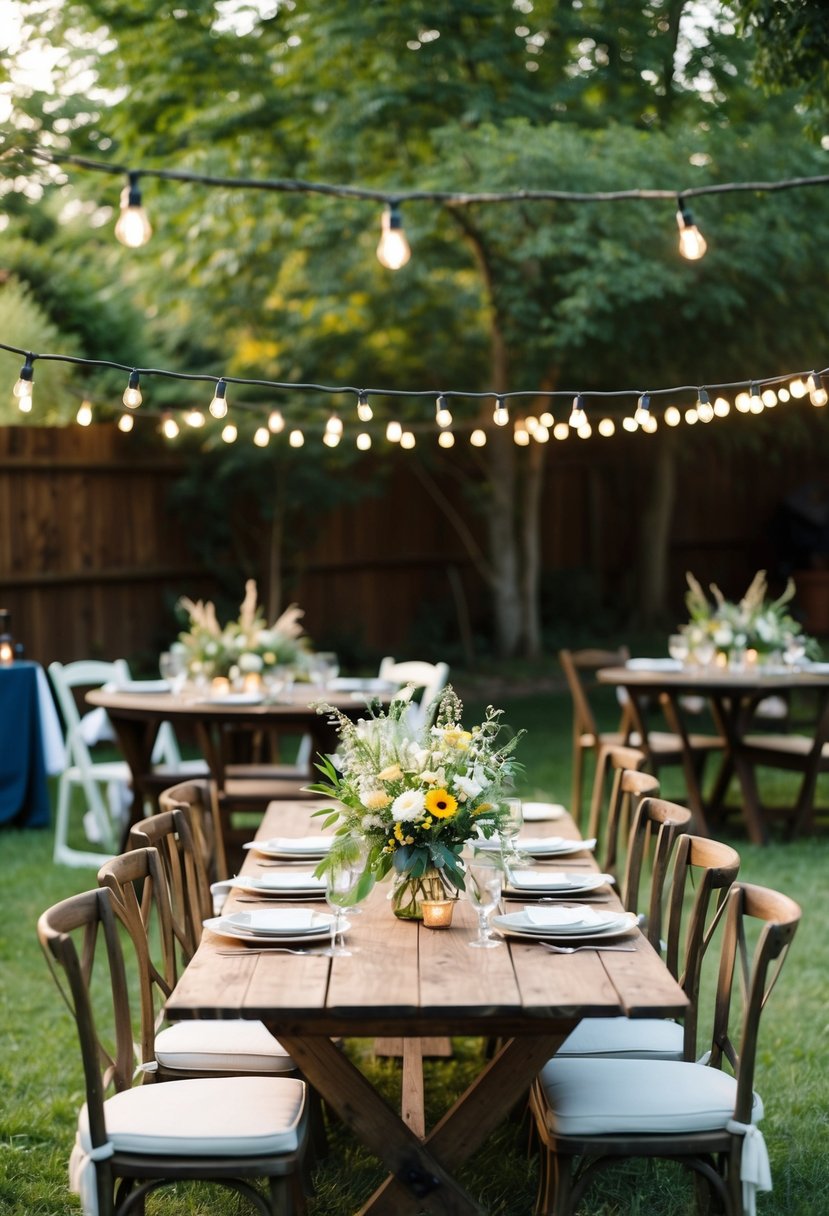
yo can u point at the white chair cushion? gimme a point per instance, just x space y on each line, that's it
599 1097
234 1046
625 1039
205 1117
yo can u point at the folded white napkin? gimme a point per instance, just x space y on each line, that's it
275 920
293 844
540 878
553 918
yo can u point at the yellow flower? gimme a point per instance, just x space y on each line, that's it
455 737
483 806
441 804
392 773
375 800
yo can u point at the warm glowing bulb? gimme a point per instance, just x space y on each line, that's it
722 407
692 416
755 401
672 416
692 244
630 424
797 388
364 441
705 411
407 440
547 419
169 427
218 406
230 433
577 412
643 407
607 427
531 423
819 396
133 228
520 433
84 414
132 393
261 436
650 425
125 423
742 402
783 395
334 425
478 438
561 430
364 410
394 432
585 430
500 415
194 418
393 250
276 423
811 382
443 415
22 390
296 439
446 439
331 439
541 433
769 398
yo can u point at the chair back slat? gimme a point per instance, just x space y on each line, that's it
205 822
191 903
656 824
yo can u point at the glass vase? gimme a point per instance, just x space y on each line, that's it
409 893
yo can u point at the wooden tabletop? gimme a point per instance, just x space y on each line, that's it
406 980
754 678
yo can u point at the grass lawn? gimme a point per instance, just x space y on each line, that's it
42 1084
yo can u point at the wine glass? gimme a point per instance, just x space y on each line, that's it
484 879
173 669
678 647
509 832
341 880
325 667
794 650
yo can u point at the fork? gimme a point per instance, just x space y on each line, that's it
267 950
575 949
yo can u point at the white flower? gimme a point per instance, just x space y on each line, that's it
418 756
723 635
250 662
408 805
428 778
467 786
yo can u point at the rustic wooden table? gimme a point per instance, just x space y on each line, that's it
410 981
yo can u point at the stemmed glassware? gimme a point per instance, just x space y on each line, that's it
484 879
325 667
340 887
510 830
678 647
173 669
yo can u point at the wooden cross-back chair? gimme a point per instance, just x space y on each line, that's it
135 1136
655 826
580 667
205 822
702 873
590 1113
189 1048
618 783
191 903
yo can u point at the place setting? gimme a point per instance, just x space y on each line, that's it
292 848
282 884
566 925
539 847
550 885
267 927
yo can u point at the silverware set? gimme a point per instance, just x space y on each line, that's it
575 949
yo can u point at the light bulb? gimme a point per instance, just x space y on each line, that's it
261 436
218 406
407 440
520 433
446 439
755 401
443 415
364 410
364 441
691 416
125 423
561 430
84 414
820 396
547 419
585 430
630 424
276 423
133 228
500 415
393 432
607 427
643 407
650 425
22 390
169 427
331 439
742 403
783 395
705 411
531 423
672 416
541 433
194 418
230 433
692 244
769 398
577 412
722 407
132 393
393 250
296 439
478 438
334 425
811 382
797 388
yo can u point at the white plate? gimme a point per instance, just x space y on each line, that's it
534 918
539 846
293 846
514 924
144 686
282 884
347 684
279 922
815 669
653 665
219 924
543 882
538 811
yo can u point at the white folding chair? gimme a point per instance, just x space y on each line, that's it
431 677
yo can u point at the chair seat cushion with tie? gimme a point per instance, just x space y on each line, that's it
235 1046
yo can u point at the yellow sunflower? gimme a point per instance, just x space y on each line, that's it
441 804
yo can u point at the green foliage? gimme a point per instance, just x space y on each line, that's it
24 323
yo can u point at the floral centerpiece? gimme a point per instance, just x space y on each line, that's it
413 799
754 623
243 646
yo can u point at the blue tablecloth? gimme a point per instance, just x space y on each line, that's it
24 796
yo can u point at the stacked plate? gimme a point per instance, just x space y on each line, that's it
275 926
554 885
293 848
540 811
565 924
283 884
539 846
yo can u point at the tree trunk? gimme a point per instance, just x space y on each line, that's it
503 551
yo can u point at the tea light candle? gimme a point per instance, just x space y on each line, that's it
6 653
253 682
220 686
437 913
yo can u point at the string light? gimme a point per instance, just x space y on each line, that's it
520 433
769 397
755 401
23 389
541 434
169 426
643 407
500 415
742 403
783 395
577 412
630 424
262 437
296 439
478 438
607 427
133 228
132 393
692 244
797 388
194 418
364 441
364 410
394 432
276 423
722 407
446 439
230 432
218 406
125 423
672 416
407 440
443 415
705 410
84 414
561 430
820 396
393 250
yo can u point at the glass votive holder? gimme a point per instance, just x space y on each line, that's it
219 686
252 682
437 913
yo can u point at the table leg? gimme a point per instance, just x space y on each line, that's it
690 766
136 738
804 807
420 1179
728 715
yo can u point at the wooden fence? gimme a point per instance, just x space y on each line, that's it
92 557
